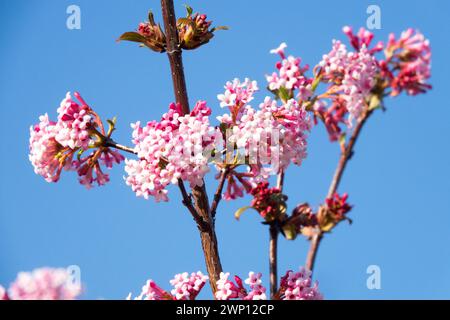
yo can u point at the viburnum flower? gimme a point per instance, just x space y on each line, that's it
3 294
44 284
195 30
362 39
298 286
89 168
332 116
358 81
334 211
178 147
148 34
151 291
226 289
185 287
293 286
266 140
78 131
290 76
351 75
47 155
269 202
257 291
74 122
237 94
408 63
338 205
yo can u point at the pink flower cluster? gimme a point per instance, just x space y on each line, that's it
74 121
408 63
54 144
298 286
237 95
47 155
185 287
177 147
227 290
293 286
42 284
352 75
269 138
290 75
269 202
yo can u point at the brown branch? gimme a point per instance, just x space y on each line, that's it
273 246
346 155
312 252
273 260
113 144
280 181
218 193
207 232
174 54
187 202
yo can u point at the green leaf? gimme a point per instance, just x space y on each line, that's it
151 19
79 154
240 211
284 94
186 21
289 231
132 36
188 10
328 226
342 139
375 102
316 83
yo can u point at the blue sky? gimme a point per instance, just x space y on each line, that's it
398 179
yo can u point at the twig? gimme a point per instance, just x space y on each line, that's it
113 144
343 160
280 181
346 155
218 193
273 260
187 201
273 246
312 252
207 232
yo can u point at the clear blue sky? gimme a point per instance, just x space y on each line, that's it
398 179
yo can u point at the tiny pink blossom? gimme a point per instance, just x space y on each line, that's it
226 289
44 284
280 50
408 63
297 286
48 156
290 75
74 122
187 287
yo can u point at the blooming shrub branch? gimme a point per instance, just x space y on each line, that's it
77 141
246 145
293 286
